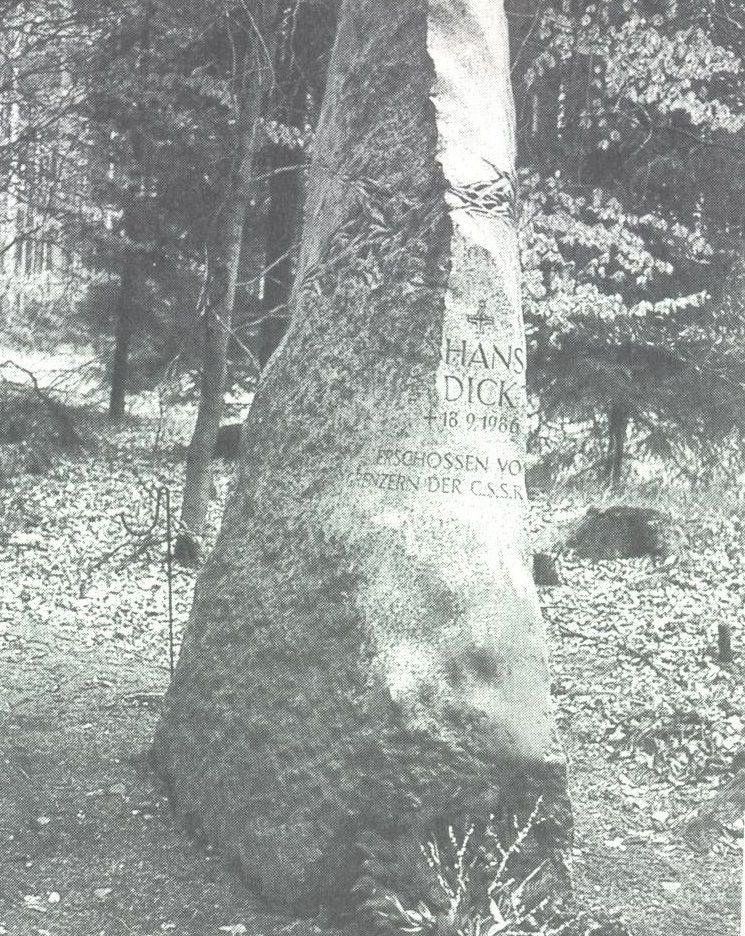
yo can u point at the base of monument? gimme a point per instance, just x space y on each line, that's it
355 865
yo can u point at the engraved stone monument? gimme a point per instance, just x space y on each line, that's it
366 652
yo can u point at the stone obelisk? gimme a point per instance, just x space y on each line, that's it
365 653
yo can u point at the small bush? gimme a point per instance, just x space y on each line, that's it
479 895
32 427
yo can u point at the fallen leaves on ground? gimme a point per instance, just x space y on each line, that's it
650 718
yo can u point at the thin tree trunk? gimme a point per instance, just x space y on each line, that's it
223 261
8 258
125 311
284 217
283 225
618 423
217 323
123 331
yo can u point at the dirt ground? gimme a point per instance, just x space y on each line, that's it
88 844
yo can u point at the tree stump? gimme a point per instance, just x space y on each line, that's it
545 570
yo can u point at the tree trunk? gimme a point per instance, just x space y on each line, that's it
284 217
283 225
11 228
365 662
618 423
224 257
217 321
123 331
131 228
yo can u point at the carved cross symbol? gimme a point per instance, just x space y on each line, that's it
481 319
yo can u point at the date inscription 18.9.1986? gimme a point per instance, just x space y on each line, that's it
470 438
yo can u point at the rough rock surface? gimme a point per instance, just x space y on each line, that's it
365 655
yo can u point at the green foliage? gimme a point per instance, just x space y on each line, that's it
118 137
632 126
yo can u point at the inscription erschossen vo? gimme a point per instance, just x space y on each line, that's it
470 442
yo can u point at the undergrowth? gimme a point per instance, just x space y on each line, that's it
480 892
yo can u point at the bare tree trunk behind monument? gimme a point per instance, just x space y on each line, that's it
123 330
284 214
223 260
365 662
618 424
283 223
218 315
132 258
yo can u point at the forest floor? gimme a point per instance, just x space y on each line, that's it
88 845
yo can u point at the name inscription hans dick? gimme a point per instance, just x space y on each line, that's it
470 442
